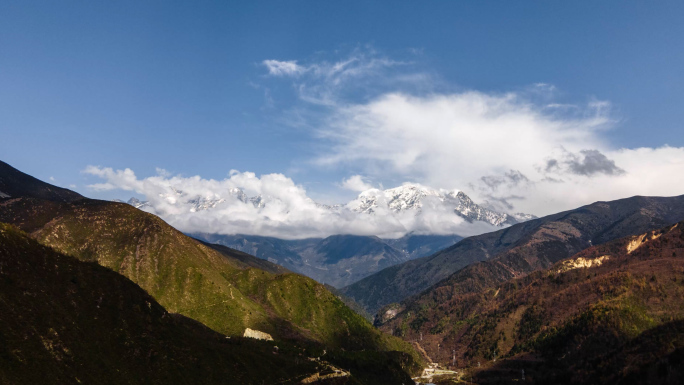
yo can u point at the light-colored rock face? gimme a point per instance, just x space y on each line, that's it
3 195
388 314
251 333
641 239
581 262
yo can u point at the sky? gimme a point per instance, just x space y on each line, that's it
529 107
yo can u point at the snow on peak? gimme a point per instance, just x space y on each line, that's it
393 212
408 196
412 197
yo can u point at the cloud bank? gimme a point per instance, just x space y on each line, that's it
356 183
270 205
501 148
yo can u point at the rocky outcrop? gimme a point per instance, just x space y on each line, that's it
257 335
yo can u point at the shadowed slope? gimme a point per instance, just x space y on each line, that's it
63 321
227 290
189 278
14 183
609 314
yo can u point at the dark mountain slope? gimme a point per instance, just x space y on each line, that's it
612 313
223 292
521 248
14 183
192 279
63 321
338 247
417 246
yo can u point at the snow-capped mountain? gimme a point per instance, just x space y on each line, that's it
199 204
410 207
522 217
413 196
137 203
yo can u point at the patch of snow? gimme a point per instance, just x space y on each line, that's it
137 203
412 197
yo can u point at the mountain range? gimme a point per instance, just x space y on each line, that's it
414 197
101 292
612 313
226 290
409 197
516 250
340 260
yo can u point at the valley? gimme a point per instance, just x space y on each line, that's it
338 260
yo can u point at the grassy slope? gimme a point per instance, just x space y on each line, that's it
63 321
192 279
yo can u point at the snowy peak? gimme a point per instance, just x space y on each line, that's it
413 197
137 203
402 198
474 212
199 204
411 206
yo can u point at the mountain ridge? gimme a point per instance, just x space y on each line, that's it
410 208
78 322
530 245
227 292
330 260
15 183
603 315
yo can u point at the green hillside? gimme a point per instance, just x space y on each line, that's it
63 321
189 278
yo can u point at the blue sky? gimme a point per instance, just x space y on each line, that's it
184 86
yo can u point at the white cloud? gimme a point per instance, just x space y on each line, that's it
476 141
472 140
356 183
324 82
283 68
287 212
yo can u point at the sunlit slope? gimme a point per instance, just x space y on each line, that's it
192 279
64 321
